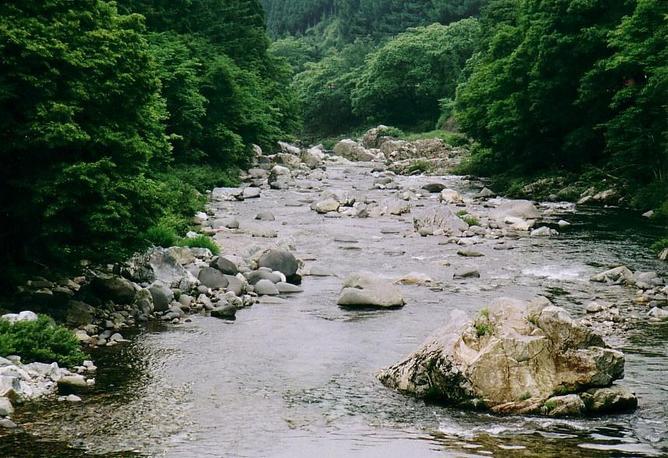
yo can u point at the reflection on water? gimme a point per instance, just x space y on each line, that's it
297 379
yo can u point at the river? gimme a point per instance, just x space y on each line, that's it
296 379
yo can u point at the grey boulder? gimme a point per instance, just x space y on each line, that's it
279 260
365 289
212 278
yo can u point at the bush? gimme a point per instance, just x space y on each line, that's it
164 233
450 138
201 241
471 221
403 81
40 341
419 166
660 244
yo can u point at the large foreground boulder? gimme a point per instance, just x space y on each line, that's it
515 357
364 289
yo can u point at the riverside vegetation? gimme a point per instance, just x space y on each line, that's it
125 125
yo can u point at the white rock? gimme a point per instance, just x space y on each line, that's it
451 196
543 231
23 316
658 314
6 408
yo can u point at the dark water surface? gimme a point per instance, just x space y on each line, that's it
297 379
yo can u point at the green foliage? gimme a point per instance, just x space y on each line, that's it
471 221
201 241
482 324
483 329
450 138
74 182
361 18
324 90
525 396
549 406
164 232
419 166
563 390
660 245
403 81
564 84
40 340
112 124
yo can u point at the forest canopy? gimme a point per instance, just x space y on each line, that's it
115 116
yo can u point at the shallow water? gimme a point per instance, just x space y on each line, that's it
296 379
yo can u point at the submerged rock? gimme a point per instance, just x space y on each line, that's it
618 275
514 357
368 290
226 312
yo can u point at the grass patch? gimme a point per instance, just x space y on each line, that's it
163 234
482 324
526 395
564 390
467 218
201 241
549 406
41 340
483 329
419 166
451 138
660 245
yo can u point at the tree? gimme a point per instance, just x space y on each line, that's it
520 98
632 87
404 80
325 89
80 119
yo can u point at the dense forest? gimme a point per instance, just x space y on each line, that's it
116 116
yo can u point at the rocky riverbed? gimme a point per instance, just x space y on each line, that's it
334 269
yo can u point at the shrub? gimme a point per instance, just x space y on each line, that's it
660 244
201 241
40 340
471 221
163 234
419 166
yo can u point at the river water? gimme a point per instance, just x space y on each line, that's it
296 379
